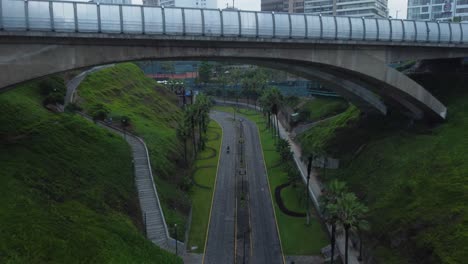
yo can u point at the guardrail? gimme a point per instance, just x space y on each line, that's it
65 16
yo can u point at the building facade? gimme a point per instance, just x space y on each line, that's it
189 3
290 6
438 10
116 2
360 8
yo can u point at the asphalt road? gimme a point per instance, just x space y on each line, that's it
220 242
264 234
265 241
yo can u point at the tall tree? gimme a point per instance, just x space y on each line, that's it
333 192
204 72
183 133
350 214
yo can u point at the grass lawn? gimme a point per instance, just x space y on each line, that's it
296 237
67 189
153 113
412 177
323 107
206 167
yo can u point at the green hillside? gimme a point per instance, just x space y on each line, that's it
67 191
414 177
153 114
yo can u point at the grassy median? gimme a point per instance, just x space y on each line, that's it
297 238
204 177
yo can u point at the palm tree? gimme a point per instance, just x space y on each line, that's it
183 133
329 199
350 213
361 225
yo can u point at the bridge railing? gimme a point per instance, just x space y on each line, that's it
64 16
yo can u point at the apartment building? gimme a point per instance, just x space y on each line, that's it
360 8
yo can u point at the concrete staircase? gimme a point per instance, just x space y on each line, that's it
156 228
155 224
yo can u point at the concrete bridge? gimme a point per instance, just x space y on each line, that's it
350 55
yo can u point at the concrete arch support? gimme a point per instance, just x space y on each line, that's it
359 76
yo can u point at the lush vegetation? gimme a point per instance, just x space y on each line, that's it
318 139
67 191
297 237
204 177
321 107
412 176
123 90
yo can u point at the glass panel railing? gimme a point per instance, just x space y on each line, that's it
357 25
132 20
87 17
421 31
281 25
193 21
464 27
248 24
39 15
410 30
313 27
433 30
370 29
154 23
384 29
64 16
265 25
456 32
343 27
231 23
110 18
328 27
298 26
68 16
212 22
444 32
174 24
397 30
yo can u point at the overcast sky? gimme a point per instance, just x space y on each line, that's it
393 5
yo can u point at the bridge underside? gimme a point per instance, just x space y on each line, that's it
354 73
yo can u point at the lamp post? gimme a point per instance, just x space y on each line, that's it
124 124
175 226
309 167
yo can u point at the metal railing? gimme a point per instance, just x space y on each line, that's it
64 16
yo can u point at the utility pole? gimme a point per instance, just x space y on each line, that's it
309 167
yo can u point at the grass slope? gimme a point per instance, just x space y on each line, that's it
153 113
297 238
205 175
67 191
414 180
323 107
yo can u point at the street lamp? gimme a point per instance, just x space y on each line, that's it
309 168
175 226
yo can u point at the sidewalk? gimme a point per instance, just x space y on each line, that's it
315 191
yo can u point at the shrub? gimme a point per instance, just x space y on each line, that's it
72 107
52 85
99 112
54 98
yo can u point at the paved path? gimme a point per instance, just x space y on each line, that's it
75 82
220 241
